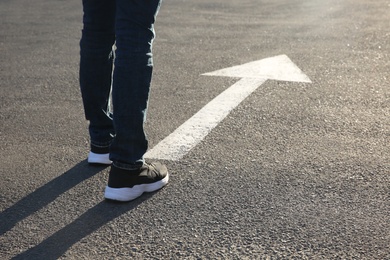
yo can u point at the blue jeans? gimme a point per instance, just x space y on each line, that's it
127 24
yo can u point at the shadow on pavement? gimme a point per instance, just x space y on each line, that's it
55 246
46 194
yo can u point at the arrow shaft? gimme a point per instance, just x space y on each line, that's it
195 129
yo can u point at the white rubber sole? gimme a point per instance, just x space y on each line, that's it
128 194
99 158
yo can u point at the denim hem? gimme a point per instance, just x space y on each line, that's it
101 144
126 166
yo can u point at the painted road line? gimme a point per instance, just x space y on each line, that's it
189 134
252 75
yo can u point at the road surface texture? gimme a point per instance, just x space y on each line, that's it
297 170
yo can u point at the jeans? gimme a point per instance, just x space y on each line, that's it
116 57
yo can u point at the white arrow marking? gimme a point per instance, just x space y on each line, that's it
253 74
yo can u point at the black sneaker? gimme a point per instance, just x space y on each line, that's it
96 158
99 155
126 185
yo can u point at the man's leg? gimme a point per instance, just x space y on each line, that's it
96 62
130 176
132 78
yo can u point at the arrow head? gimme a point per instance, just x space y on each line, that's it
276 68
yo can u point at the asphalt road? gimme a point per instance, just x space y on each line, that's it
295 171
